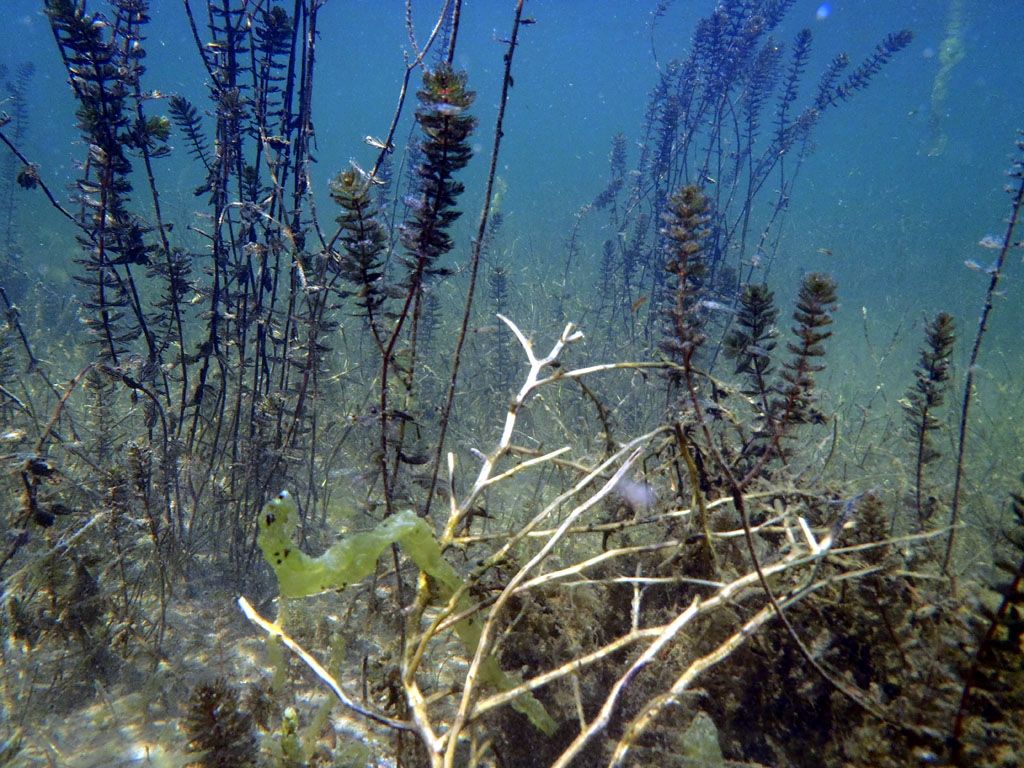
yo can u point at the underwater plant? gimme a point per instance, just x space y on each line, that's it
104 64
727 115
364 241
751 344
686 230
218 730
16 88
929 391
795 404
984 727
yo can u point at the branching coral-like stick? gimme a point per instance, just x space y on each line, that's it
656 706
472 675
537 365
600 722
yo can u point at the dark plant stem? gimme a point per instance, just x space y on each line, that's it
477 247
39 182
1016 172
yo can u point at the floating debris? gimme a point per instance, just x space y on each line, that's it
639 496
378 144
717 306
973 265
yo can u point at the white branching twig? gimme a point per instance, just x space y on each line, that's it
275 631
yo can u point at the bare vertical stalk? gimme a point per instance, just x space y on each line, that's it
1017 191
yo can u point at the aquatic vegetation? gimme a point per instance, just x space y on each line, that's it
218 729
815 303
686 230
929 392
354 558
990 702
752 343
489 543
16 87
1016 192
364 240
727 116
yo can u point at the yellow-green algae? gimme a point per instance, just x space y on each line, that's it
354 558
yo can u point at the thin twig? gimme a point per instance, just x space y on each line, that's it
275 631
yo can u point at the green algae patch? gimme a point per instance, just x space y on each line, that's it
354 558
348 561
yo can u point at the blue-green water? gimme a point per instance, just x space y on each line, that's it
899 221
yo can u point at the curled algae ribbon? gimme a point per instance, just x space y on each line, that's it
354 558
